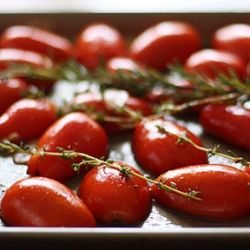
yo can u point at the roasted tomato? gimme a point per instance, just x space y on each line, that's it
11 90
75 132
157 151
165 43
98 42
227 122
209 63
10 57
234 38
44 202
43 41
223 190
112 104
27 119
115 198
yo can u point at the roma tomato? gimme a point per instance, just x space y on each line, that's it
111 103
76 132
12 56
157 151
27 119
125 64
164 44
115 198
32 38
44 202
224 191
11 90
227 122
98 42
234 38
209 63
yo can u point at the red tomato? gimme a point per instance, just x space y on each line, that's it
11 56
124 64
74 131
114 198
224 191
11 90
227 122
98 42
97 103
234 38
157 151
37 39
165 43
211 62
27 119
44 202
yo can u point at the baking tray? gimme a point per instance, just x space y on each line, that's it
162 227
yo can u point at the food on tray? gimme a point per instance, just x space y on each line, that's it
138 89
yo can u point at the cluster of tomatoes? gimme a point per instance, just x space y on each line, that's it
109 195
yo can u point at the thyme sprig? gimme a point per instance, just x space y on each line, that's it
11 148
139 83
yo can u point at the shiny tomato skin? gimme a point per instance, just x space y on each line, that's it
26 119
234 38
224 191
44 202
12 56
164 44
113 198
157 151
210 62
227 122
98 42
95 102
43 41
11 90
74 131
122 63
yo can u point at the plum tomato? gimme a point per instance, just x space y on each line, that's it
98 42
209 63
223 190
12 56
111 103
157 151
165 43
44 202
234 38
37 39
26 119
230 123
11 90
115 198
75 132
124 64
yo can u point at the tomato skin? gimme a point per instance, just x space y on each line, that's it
98 42
227 122
114 198
11 90
74 131
95 102
224 191
208 62
156 150
27 119
37 39
12 56
44 202
163 44
122 63
234 38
